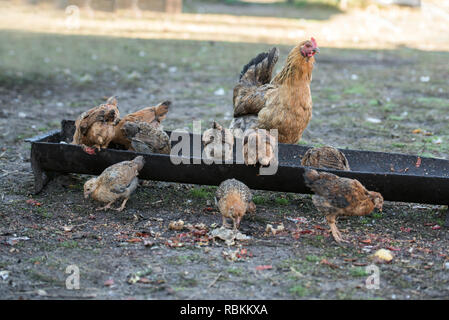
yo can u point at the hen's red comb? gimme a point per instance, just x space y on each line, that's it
313 41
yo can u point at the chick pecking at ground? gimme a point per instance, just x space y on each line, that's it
234 199
326 157
146 138
151 115
218 143
116 182
96 127
283 102
335 196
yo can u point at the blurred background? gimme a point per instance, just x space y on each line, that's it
338 23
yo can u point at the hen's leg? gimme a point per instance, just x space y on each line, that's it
106 207
331 220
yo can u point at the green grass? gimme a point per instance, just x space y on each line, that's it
358 272
201 193
356 89
298 291
70 244
44 212
282 201
377 215
235 271
259 200
313 258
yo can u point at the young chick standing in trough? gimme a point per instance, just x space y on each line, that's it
326 157
234 199
150 115
145 138
335 196
116 182
96 127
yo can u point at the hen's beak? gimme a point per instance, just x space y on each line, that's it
316 50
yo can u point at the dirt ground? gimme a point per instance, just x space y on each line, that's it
363 99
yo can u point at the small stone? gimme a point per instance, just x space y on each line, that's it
219 92
41 292
4 274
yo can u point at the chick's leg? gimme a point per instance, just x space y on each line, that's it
331 220
225 224
123 205
106 207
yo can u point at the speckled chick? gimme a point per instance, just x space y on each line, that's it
146 138
116 182
234 199
326 157
152 115
336 196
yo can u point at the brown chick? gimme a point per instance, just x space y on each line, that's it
234 199
326 157
115 182
145 138
283 102
336 196
218 142
152 115
96 127
259 147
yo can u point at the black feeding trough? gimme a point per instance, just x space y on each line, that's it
398 177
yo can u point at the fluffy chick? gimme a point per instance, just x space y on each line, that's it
145 138
335 196
152 115
96 127
115 182
326 157
218 142
234 199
